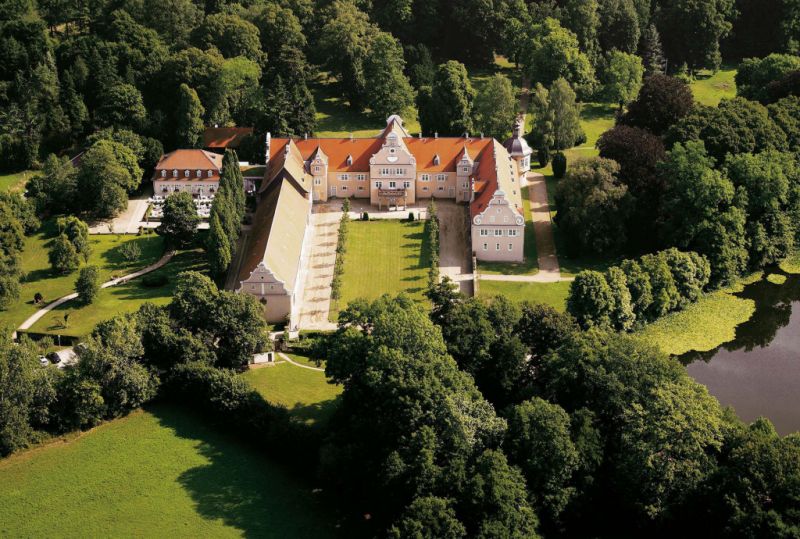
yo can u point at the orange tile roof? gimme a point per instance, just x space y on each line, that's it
190 159
224 137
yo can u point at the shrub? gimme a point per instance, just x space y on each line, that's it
543 155
155 280
411 216
559 165
365 216
88 284
130 250
63 256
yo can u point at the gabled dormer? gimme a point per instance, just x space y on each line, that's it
465 163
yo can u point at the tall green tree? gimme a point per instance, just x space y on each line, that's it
189 124
390 91
231 35
622 77
180 220
88 284
692 30
218 247
496 107
446 108
619 26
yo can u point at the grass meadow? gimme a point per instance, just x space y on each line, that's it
39 277
710 88
384 257
553 294
15 181
156 473
124 298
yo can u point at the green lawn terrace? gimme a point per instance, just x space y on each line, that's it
123 298
305 392
39 277
159 472
384 257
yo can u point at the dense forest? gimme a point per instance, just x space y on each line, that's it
472 418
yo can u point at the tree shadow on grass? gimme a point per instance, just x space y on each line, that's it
243 488
317 413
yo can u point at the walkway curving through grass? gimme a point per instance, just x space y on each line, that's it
113 282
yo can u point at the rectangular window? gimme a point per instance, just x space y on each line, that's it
425 178
485 246
510 246
392 185
512 233
465 169
361 177
210 173
344 188
317 181
464 185
185 173
378 184
498 232
360 187
441 177
407 185
163 173
484 232
345 177
425 188
497 247
441 188
316 169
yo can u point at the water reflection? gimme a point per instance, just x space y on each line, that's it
758 373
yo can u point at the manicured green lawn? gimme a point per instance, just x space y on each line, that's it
530 266
15 181
120 299
40 278
335 118
710 88
306 393
702 326
156 473
384 257
553 294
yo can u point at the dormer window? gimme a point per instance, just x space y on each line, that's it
436 159
185 173
163 173
210 173
174 173
199 173
349 160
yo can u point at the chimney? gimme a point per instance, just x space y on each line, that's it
351 137
268 141
305 136
481 135
436 134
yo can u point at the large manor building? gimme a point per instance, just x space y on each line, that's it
390 170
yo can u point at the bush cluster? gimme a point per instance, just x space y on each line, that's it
638 291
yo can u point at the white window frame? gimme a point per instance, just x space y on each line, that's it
484 232
510 246
317 181
441 177
174 172
425 178
407 185
498 232
185 173
392 185
379 185
496 246
163 173
485 246
512 233
210 173
361 177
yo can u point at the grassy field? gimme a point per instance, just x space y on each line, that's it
553 294
160 473
384 257
306 393
40 278
531 264
710 88
124 298
15 181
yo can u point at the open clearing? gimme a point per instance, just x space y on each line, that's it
306 393
710 88
156 473
384 257
15 181
40 278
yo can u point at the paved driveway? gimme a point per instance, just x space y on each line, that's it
454 249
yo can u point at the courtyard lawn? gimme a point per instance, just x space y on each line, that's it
15 181
553 294
306 393
155 473
38 277
530 266
124 298
710 88
384 257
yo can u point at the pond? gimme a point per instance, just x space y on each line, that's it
758 373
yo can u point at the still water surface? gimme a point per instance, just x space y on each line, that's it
758 374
